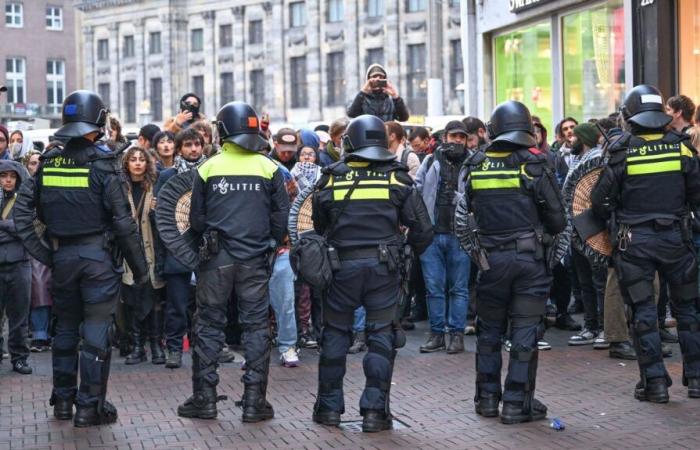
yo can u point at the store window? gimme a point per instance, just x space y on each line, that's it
524 69
594 61
689 48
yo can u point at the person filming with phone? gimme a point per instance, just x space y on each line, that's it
190 105
378 97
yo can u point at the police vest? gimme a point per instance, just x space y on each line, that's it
498 197
653 183
71 204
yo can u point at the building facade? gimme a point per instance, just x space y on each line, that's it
300 61
40 58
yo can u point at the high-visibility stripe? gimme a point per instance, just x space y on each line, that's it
685 151
393 180
65 170
362 194
362 183
496 183
486 174
358 164
649 157
64 182
655 167
498 154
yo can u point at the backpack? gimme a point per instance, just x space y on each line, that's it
404 156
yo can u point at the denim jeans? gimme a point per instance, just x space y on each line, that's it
177 300
39 319
282 302
446 268
358 323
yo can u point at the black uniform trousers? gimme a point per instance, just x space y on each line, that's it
515 289
369 283
85 293
664 250
217 280
15 298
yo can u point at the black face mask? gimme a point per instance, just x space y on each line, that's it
577 147
194 109
454 152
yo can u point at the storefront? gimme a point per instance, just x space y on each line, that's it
561 58
689 48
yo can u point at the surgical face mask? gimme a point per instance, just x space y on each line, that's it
15 150
453 151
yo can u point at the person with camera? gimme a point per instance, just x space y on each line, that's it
378 97
189 113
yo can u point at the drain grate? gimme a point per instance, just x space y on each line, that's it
355 426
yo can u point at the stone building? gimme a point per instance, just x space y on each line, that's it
299 60
39 58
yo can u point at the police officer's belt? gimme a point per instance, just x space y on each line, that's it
91 239
358 253
521 245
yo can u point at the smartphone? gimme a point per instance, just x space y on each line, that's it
381 83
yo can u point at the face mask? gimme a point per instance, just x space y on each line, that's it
453 151
191 108
15 150
577 148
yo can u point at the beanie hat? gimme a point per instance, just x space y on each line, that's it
588 134
309 138
375 68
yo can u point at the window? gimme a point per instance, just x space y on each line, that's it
524 69
55 84
156 99
103 92
225 36
335 11
257 89
375 8
13 15
226 88
335 81
102 50
255 32
128 49
154 43
297 14
594 61
417 84
456 64
198 89
15 78
130 101
453 3
54 18
374 56
415 5
297 69
197 40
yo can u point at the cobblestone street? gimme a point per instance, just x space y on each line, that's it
431 399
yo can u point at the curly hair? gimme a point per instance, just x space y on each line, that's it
150 174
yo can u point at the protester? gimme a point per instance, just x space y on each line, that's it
681 108
146 135
4 143
164 143
397 145
286 145
189 113
331 153
420 142
477 137
378 97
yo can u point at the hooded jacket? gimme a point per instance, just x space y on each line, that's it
378 104
11 248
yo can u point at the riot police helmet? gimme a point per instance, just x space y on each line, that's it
644 106
365 139
511 122
82 113
237 122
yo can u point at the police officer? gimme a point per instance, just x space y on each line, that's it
361 202
78 194
240 205
516 203
648 185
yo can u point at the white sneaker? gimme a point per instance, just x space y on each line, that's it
543 345
507 345
600 342
585 337
290 358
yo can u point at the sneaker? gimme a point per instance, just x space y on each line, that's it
359 343
290 358
38 345
469 330
307 341
566 322
600 343
21 366
543 345
666 350
174 360
667 336
585 337
507 345
226 356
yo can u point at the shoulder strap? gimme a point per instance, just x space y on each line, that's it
404 156
346 200
8 207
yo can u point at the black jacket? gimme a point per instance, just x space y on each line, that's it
383 200
240 194
11 248
380 105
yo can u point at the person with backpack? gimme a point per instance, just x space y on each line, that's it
397 145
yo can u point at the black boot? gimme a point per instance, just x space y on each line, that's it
436 342
694 387
329 418
62 408
374 421
513 412
566 322
138 354
487 404
89 416
656 390
156 322
622 350
255 407
201 405
456 344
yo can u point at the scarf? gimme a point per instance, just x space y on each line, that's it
306 173
332 151
182 165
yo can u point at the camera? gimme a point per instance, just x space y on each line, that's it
380 83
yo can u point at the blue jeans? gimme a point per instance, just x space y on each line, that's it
359 320
39 319
282 302
446 268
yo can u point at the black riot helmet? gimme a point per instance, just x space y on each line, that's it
83 112
238 122
511 122
644 106
365 139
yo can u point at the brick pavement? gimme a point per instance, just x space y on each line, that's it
432 397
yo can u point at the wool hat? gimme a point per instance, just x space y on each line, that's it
587 133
